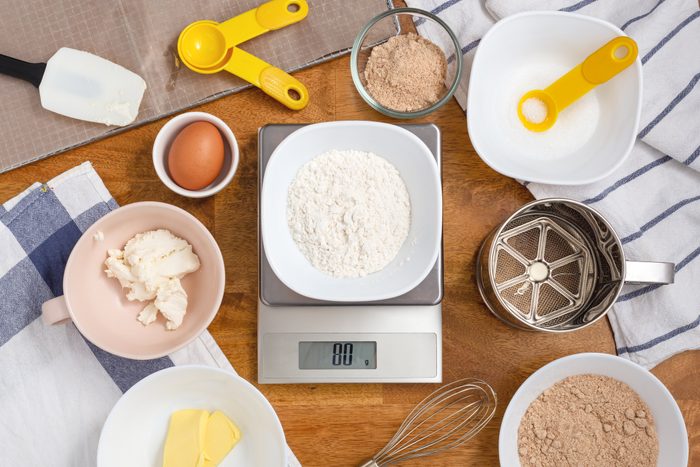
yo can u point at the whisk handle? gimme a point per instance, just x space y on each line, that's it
370 463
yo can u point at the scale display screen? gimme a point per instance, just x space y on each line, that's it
337 355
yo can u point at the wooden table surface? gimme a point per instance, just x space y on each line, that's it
344 424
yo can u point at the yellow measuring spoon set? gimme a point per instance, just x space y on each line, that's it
538 109
209 47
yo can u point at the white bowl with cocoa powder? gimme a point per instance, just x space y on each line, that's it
667 418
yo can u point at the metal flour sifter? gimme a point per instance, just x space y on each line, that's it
557 265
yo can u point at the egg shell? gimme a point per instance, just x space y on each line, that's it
196 156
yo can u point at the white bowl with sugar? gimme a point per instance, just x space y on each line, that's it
418 170
527 51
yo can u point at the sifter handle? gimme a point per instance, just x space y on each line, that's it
649 272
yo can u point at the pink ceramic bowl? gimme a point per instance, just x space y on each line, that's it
98 305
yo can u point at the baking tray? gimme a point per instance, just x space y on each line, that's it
141 36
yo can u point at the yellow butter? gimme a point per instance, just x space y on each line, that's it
184 445
222 436
197 438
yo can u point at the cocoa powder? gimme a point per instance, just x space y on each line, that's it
406 73
588 420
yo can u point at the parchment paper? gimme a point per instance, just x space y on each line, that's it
141 35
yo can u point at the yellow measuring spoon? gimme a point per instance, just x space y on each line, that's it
209 47
538 109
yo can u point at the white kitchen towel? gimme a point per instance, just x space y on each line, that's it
56 388
653 200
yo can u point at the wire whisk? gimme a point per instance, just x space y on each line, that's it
447 418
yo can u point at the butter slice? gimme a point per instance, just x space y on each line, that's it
222 436
199 439
184 445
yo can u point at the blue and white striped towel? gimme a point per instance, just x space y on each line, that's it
56 388
653 200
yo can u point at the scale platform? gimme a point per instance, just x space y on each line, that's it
303 340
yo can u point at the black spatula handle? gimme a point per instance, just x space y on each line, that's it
32 72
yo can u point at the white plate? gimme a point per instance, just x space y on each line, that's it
670 428
135 430
417 167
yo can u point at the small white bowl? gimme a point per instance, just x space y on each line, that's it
670 427
420 173
166 136
136 428
514 46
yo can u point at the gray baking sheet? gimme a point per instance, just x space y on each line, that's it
141 35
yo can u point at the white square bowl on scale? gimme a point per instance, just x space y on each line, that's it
523 47
418 169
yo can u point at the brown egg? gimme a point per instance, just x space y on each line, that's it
196 156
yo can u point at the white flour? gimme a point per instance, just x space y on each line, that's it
349 212
574 127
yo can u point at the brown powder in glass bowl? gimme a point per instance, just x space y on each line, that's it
588 420
406 73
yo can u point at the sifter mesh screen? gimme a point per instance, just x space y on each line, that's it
549 241
556 247
569 277
520 296
550 301
526 243
508 267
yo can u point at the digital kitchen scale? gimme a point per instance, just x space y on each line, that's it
303 340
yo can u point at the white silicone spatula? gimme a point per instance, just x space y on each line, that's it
81 85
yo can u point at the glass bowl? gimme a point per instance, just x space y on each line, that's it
403 20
